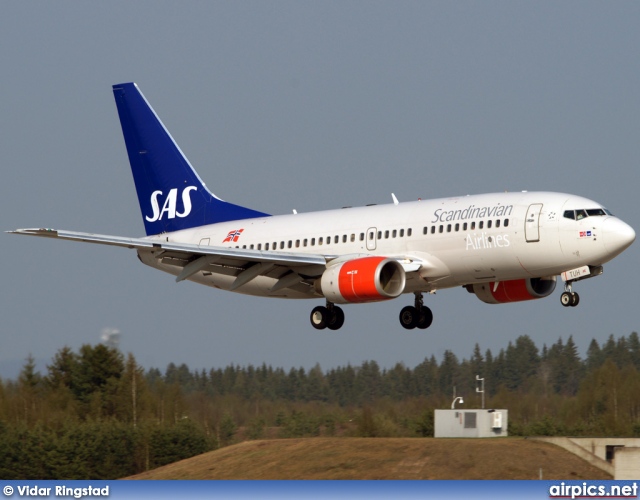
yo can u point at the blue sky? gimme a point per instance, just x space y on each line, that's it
309 106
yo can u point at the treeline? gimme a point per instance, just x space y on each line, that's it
97 414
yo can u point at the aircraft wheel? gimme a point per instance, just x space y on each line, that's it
425 318
565 299
319 316
409 317
336 318
575 299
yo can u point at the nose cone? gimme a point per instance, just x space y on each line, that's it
617 235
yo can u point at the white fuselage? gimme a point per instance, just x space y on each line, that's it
455 241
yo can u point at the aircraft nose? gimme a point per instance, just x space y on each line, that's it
617 235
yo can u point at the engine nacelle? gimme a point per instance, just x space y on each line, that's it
513 290
367 279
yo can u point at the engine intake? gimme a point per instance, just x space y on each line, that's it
367 279
502 292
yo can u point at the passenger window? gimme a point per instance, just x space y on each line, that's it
394 233
433 229
498 223
464 226
473 225
379 235
569 214
289 245
457 228
281 245
320 240
448 228
336 239
297 243
304 242
259 246
441 229
371 233
313 242
353 237
244 247
401 233
425 230
481 224
250 247
344 238
386 234
488 224
506 223
266 246
361 236
328 240
408 232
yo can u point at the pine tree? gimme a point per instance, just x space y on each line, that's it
98 371
64 369
572 368
595 356
30 385
448 373
622 354
634 349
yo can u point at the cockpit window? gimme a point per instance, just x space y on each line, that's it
589 212
596 211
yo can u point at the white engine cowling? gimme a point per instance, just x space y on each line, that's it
367 279
514 290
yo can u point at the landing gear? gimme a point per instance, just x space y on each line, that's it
416 316
336 318
319 317
331 317
569 298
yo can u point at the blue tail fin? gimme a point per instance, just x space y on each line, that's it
171 194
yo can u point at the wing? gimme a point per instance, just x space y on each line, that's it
296 271
289 269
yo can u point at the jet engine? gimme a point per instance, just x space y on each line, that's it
367 279
513 290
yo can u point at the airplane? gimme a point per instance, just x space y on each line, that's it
502 247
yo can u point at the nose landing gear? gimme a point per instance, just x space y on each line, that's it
569 298
416 316
331 317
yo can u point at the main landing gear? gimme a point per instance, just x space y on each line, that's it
416 316
569 298
331 317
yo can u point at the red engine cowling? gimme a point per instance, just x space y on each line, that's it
368 279
514 290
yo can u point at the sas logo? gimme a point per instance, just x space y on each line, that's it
233 236
585 234
169 206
